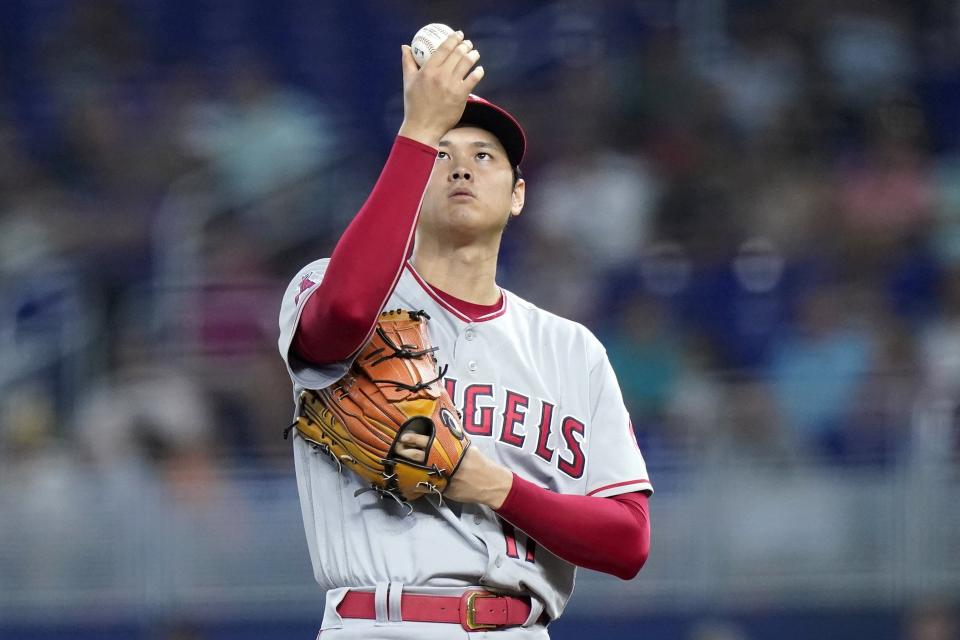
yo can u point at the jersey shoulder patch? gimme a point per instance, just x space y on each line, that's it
305 283
308 277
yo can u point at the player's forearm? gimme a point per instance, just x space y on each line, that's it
367 260
611 535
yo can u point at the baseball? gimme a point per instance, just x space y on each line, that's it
427 40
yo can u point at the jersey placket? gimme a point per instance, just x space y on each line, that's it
467 350
470 337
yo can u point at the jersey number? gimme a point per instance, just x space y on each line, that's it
510 537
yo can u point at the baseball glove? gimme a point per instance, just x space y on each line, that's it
393 386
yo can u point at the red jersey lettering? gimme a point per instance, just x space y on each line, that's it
512 416
573 468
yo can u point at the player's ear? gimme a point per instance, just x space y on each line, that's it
518 197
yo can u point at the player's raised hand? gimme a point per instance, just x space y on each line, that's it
434 96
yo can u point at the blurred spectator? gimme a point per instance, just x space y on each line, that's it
98 41
152 419
590 194
786 204
866 49
46 323
96 66
694 411
148 418
889 192
745 303
230 321
664 105
264 136
876 428
758 76
818 367
646 360
603 201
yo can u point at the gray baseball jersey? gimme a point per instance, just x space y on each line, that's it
537 394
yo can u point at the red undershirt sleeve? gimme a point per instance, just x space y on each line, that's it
368 259
611 535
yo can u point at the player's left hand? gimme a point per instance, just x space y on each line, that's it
478 479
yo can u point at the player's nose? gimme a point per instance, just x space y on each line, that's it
460 173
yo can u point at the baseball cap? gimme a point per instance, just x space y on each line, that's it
486 115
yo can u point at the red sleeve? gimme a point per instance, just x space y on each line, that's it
367 261
611 535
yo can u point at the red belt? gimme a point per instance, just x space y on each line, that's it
475 609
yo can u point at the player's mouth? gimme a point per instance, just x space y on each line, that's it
461 194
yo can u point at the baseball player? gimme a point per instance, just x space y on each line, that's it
554 478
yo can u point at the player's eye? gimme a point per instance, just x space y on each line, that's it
483 155
442 155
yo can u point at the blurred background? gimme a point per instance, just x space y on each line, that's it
755 205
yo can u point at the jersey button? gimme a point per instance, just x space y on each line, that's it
470 334
477 518
499 561
472 366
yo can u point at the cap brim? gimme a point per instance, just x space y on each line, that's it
486 115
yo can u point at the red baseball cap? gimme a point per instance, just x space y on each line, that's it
486 115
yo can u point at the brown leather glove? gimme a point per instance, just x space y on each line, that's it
393 386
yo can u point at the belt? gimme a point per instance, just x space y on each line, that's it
474 610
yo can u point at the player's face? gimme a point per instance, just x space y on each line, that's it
471 191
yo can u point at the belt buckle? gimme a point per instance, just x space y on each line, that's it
468 616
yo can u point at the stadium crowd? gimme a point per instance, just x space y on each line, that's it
755 205
758 212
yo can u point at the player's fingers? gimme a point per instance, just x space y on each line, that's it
417 440
411 453
457 56
473 79
444 50
413 446
466 63
407 61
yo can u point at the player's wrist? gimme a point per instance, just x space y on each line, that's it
498 488
424 135
480 480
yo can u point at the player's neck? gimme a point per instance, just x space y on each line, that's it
467 273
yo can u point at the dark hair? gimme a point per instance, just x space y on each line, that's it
517 175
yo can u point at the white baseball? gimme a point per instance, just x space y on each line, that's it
428 40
